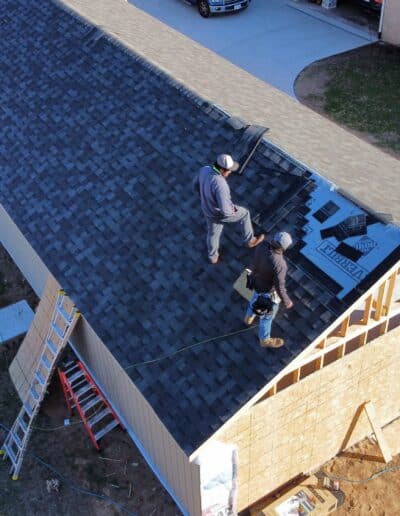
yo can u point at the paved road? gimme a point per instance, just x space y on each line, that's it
272 40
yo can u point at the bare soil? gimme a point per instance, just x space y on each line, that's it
377 497
118 472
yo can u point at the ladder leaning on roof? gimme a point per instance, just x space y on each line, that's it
62 323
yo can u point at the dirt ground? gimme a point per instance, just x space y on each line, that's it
378 497
370 64
118 473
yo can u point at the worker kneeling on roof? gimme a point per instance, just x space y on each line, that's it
268 279
218 207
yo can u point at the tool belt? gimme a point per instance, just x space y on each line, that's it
263 305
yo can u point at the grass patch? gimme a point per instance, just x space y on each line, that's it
364 93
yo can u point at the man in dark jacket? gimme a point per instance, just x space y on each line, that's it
218 207
268 279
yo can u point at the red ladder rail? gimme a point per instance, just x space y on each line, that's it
82 393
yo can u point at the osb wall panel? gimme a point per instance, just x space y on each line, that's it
24 365
306 424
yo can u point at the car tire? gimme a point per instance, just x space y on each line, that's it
204 8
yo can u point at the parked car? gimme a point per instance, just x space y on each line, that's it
374 5
207 7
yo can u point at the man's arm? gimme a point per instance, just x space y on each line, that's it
280 283
223 198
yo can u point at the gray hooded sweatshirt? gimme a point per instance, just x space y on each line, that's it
215 193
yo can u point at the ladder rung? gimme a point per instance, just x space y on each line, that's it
35 395
45 362
22 424
76 375
40 378
95 419
101 433
66 316
28 409
16 439
57 331
90 397
74 366
79 383
91 403
84 389
52 347
10 454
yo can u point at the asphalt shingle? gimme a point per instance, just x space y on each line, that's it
97 153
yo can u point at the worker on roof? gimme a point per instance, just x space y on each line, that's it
268 279
218 207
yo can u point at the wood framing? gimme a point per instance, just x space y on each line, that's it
348 333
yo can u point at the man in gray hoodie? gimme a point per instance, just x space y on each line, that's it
268 279
218 207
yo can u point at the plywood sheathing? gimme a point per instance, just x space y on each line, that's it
305 425
26 360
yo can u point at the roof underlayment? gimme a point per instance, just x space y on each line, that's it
97 153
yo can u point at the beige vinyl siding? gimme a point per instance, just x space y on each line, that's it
306 424
27 260
169 459
391 22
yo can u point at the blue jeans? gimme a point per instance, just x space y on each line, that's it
265 323
215 227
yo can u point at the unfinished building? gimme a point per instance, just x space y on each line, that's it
98 149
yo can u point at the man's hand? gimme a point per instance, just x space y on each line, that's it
291 305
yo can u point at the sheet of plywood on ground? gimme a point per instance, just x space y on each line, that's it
306 424
27 358
370 410
161 449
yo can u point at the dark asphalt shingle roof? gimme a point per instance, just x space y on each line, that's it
97 153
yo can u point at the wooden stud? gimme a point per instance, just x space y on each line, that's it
344 326
362 339
379 302
319 363
341 351
383 327
296 375
367 311
322 344
389 294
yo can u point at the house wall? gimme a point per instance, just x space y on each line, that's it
168 461
306 424
391 22
162 452
26 259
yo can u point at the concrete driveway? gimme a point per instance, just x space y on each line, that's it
272 39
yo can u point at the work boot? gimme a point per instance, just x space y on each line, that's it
256 240
249 319
272 343
214 259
